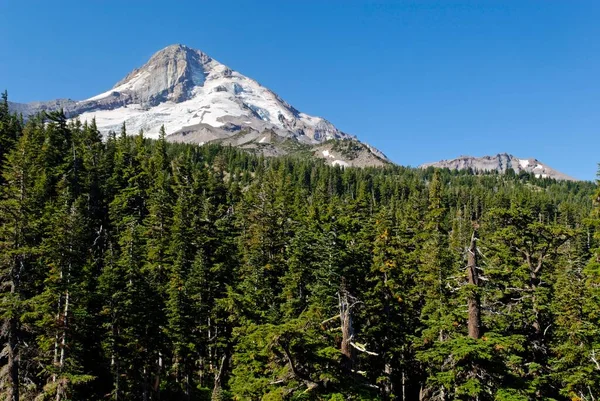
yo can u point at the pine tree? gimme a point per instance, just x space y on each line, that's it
523 249
391 307
130 328
10 129
157 223
436 314
21 208
179 306
61 304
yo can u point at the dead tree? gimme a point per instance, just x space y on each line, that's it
345 304
474 302
217 392
348 346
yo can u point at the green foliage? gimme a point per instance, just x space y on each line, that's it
138 269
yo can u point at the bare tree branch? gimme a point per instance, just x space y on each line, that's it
361 348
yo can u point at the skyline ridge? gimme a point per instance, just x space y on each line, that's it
425 80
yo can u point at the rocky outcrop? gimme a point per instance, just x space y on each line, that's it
501 163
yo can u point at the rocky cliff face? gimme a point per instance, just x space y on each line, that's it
198 100
500 163
169 75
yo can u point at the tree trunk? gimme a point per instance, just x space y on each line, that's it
114 362
387 383
13 336
403 385
533 284
159 367
146 386
347 328
217 393
13 361
423 394
60 389
57 338
474 303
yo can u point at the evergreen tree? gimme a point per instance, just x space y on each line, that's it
59 310
10 129
139 269
22 210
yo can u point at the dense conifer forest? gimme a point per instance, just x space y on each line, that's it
136 269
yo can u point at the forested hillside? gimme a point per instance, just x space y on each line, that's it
134 269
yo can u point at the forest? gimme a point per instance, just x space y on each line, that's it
138 269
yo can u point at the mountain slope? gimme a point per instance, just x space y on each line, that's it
199 100
501 162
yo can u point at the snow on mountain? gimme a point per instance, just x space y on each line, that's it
181 87
198 100
501 162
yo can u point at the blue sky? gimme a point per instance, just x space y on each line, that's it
420 80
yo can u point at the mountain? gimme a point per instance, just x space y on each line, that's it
501 162
200 100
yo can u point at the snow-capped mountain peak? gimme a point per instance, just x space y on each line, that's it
199 100
184 88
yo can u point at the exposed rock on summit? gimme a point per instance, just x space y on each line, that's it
501 163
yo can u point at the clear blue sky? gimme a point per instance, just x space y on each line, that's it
421 80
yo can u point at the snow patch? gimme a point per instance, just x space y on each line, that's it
135 83
340 163
523 163
327 154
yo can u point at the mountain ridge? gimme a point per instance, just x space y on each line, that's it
200 100
501 162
